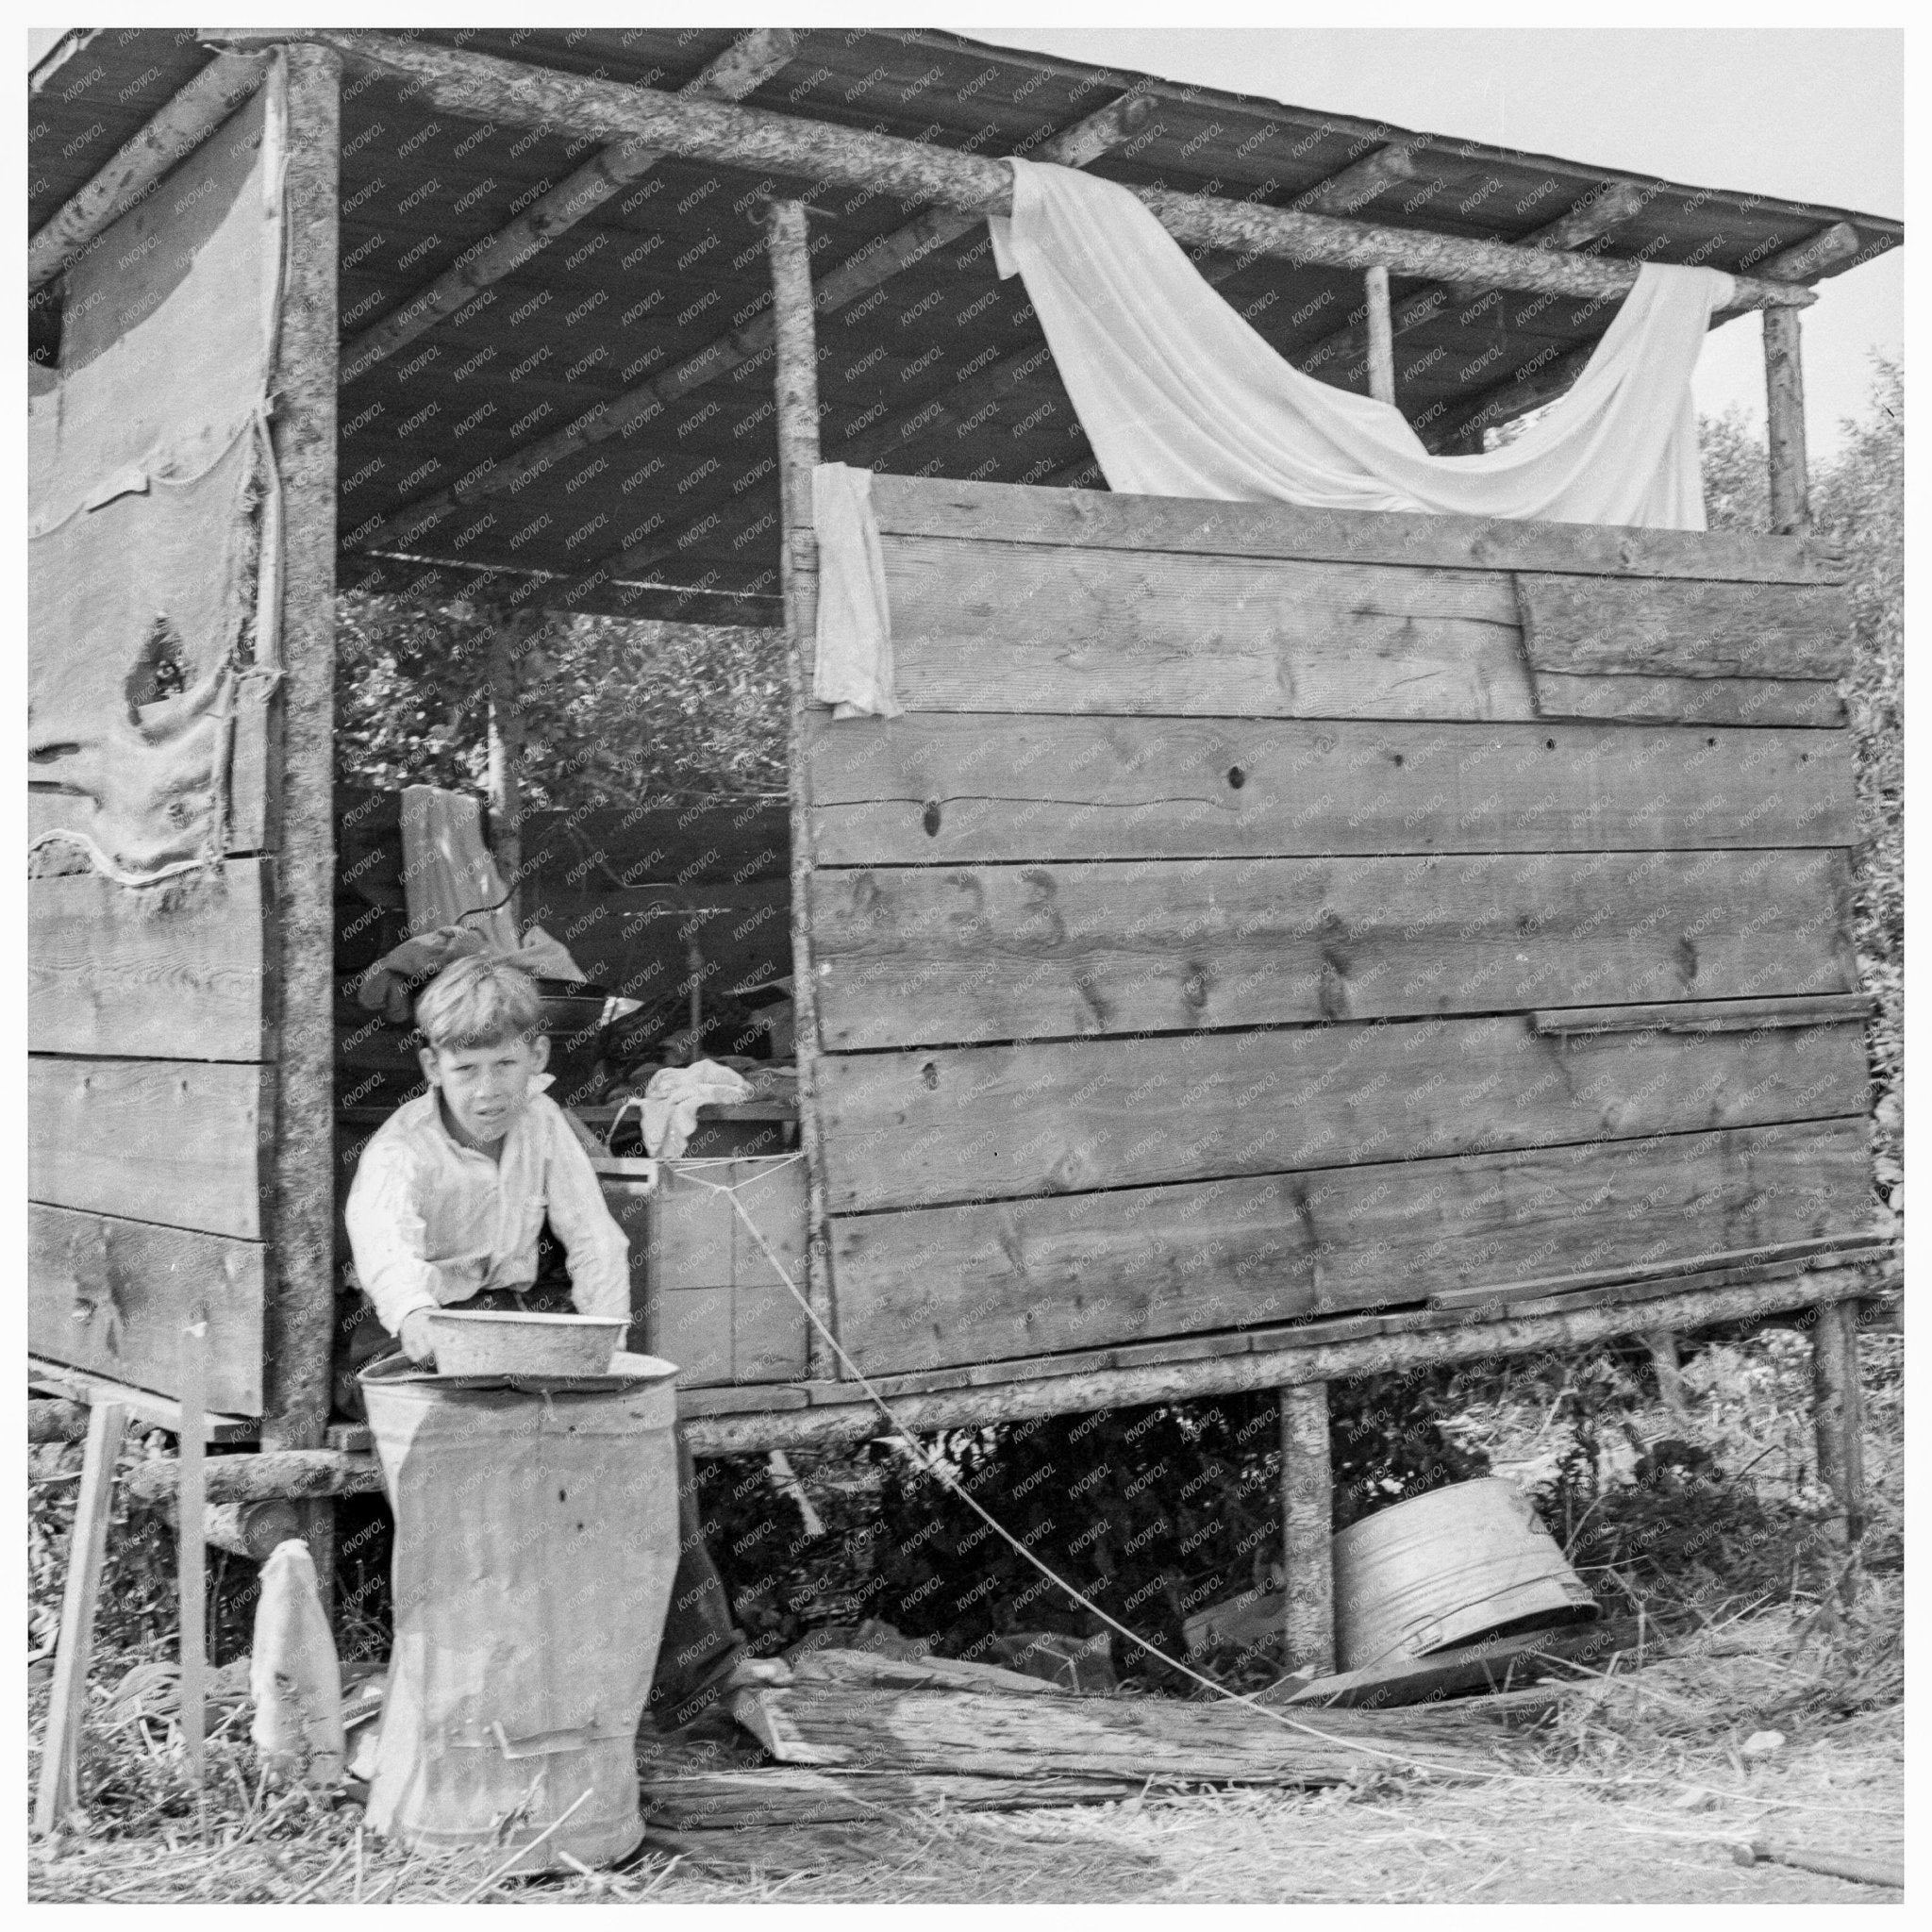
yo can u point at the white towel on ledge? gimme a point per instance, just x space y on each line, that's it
851 667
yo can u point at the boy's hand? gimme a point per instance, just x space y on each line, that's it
414 1336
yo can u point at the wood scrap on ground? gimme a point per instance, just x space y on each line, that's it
857 1736
998 1734
777 1795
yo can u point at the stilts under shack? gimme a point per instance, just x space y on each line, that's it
1207 983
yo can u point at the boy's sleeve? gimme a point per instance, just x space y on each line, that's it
387 1236
598 1252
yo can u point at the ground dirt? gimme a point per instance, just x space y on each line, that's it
1636 1788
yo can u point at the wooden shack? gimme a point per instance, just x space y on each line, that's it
1274 944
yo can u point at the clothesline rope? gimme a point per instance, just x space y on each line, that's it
932 1466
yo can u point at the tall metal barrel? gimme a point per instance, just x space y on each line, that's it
535 1542
1445 1568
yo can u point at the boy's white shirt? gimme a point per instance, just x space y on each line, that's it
433 1221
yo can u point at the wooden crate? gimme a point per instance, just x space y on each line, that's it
704 1294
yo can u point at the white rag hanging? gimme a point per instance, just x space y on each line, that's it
1180 396
672 1099
852 666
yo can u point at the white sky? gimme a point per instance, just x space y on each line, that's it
1805 115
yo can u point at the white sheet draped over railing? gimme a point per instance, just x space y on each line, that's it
1180 396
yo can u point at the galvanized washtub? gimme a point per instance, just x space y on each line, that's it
1446 1568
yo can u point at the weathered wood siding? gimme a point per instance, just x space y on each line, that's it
1196 951
151 1085
152 1012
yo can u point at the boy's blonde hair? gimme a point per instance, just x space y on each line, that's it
479 1002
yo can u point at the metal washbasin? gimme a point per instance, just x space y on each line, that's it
485 1343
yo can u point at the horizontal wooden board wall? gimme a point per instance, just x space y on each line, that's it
112 1296
940 789
1007 513
1636 626
928 956
1751 701
176 971
185 1144
960 1123
990 627
1037 627
974 1283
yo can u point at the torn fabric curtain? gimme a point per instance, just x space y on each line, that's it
852 661
141 614
153 512
1180 396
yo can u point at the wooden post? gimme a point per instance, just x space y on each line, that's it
1306 1511
1839 1415
1381 337
190 1546
59 1791
797 393
300 1314
1784 419
1662 1345
507 639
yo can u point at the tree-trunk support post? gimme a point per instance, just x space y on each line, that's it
1381 337
795 354
834 1421
1662 1345
1306 1513
1784 416
1839 1416
301 1315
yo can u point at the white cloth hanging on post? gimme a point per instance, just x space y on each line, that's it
1180 396
851 660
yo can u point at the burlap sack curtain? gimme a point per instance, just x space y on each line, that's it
153 534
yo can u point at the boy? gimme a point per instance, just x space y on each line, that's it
452 1194
449 1202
